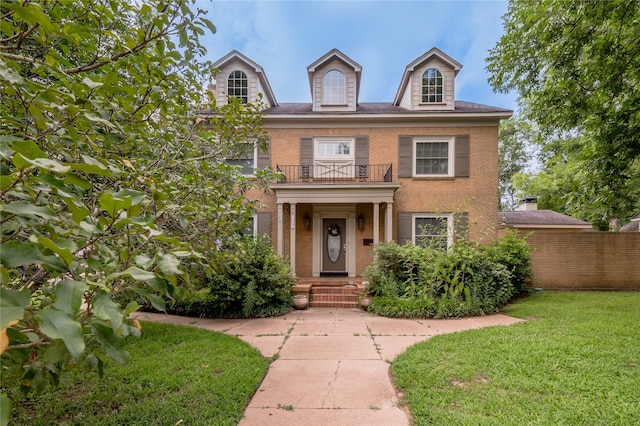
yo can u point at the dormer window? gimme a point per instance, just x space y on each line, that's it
334 88
237 86
432 86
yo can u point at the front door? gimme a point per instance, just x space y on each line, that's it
334 246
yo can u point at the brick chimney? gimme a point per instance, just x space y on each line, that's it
527 204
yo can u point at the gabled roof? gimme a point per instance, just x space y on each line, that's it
540 219
335 53
262 76
633 226
457 66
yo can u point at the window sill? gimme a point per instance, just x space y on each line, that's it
334 105
433 177
432 103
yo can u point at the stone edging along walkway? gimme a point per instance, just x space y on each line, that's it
332 365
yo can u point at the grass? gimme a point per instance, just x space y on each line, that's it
176 375
576 361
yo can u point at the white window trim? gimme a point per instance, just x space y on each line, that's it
254 227
451 154
448 216
338 157
326 96
422 101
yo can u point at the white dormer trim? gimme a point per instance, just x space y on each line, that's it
409 92
258 82
352 71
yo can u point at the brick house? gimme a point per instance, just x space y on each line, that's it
421 167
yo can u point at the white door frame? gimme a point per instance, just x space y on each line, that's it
342 211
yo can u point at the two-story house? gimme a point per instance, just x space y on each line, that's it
422 167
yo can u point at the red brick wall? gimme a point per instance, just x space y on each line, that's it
585 260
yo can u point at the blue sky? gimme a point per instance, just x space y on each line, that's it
284 37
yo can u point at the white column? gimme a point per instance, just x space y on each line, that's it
292 234
280 230
388 223
376 223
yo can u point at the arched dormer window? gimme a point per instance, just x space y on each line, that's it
432 86
237 86
334 88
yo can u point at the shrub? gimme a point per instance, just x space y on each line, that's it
410 281
250 282
512 251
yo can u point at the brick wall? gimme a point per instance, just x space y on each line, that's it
585 260
477 195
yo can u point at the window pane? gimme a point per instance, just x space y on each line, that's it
431 232
432 158
334 88
432 86
237 85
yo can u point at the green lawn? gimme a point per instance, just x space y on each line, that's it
576 361
176 375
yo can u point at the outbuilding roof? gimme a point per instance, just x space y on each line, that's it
540 218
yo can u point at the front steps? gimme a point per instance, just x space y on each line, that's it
330 292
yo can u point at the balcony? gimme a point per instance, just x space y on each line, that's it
334 173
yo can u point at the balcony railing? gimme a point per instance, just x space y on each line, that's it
334 173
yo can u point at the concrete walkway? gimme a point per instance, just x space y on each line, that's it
332 365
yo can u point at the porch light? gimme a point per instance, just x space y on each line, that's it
361 222
307 222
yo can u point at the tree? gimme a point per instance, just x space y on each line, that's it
112 188
514 144
576 67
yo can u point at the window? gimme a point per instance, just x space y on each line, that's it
433 157
244 157
334 88
432 86
433 230
335 148
237 86
250 229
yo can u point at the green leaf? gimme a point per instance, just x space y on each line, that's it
17 253
59 325
131 307
169 264
55 353
28 149
23 208
107 310
92 84
32 13
64 252
5 409
12 305
111 343
69 296
135 273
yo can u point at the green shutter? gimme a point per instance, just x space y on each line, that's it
462 146
405 223
405 156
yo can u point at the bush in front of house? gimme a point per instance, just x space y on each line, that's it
252 281
408 281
